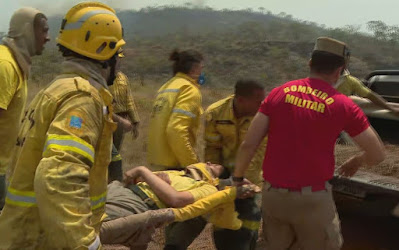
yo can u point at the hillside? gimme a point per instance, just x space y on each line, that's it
267 47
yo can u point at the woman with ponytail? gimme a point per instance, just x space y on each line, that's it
176 114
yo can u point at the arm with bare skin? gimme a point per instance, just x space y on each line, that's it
125 123
256 132
373 153
381 102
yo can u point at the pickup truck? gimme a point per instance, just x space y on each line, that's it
386 84
378 194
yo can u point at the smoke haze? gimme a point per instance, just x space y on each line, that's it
60 7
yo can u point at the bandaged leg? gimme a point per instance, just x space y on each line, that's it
134 231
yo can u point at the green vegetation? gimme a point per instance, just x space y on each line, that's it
258 44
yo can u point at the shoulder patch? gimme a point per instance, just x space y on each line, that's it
75 122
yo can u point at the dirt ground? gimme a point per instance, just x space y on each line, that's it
203 242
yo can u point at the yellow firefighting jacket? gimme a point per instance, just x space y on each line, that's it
175 118
123 99
224 134
350 85
13 96
58 181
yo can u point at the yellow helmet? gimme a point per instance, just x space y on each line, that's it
93 30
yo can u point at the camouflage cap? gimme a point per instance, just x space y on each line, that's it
332 46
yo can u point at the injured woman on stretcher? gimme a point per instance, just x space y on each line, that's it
146 200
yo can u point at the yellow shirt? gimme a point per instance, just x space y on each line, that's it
123 99
180 182
13 95
224 133
350 85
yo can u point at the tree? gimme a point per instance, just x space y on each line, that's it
379 29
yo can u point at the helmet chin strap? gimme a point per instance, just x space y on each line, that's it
111 63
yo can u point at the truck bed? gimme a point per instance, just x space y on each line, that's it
365 183
372 191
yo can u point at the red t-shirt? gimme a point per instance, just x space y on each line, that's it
306 117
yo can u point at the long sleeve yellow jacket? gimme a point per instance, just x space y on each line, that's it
174 123
58 181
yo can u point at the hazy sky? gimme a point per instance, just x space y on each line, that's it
335 13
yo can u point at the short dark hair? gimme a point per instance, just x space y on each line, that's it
184 60
325 62
246 87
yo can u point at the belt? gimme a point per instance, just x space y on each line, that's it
147 200
304 190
